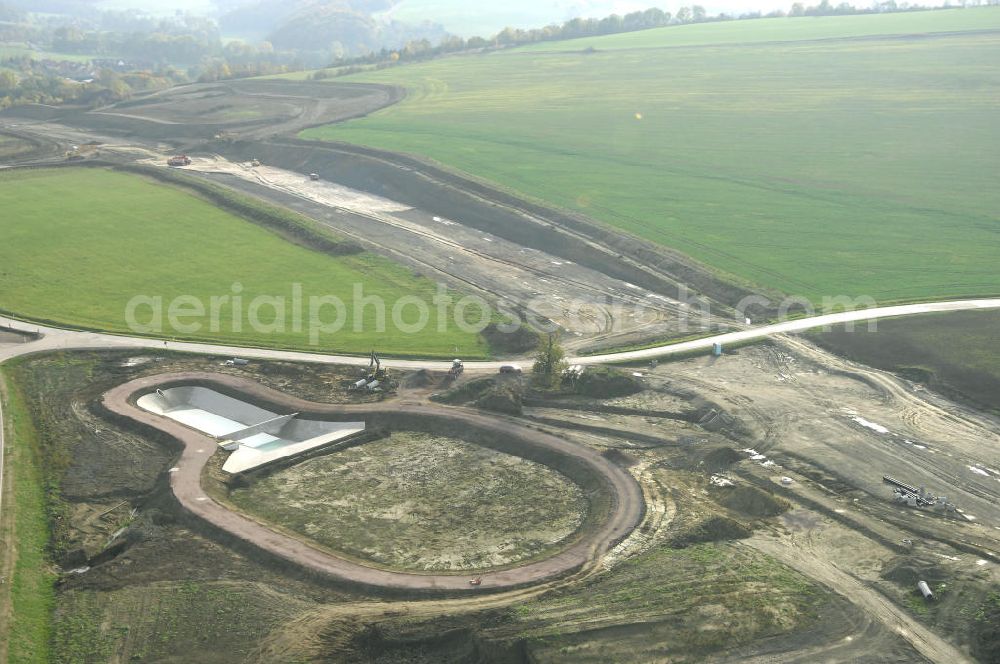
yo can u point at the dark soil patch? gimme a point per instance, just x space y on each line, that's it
621 458
750 501
712 529
418 379
954 353
607 383
521 340
452 639
719 459
505 397
986 629
466 392
908 570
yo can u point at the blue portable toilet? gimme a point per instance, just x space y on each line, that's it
716 349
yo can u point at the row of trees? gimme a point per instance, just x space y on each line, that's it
23 81
146 54
423 49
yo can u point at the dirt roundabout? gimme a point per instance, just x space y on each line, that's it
615 501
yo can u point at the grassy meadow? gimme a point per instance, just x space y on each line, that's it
29 592
11 50
812 161
80 243
805 28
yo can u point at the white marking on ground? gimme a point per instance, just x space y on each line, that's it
870 425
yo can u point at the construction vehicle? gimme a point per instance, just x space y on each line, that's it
375 371
911 495
374 378
457 367
78 152
179 160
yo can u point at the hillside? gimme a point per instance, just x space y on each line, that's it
814 164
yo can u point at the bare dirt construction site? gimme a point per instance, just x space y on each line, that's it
822 565
423 502
728 508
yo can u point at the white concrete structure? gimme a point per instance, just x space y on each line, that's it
257 436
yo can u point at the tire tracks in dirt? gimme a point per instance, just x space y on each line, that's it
807 562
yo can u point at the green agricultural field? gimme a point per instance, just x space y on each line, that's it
19 50
790 29
80 244
817 167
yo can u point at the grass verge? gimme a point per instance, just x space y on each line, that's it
32 593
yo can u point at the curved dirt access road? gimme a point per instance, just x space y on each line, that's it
624 512
802 558
251 109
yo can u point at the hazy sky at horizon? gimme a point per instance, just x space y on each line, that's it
566 7
486 17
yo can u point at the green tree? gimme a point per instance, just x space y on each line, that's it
8 80
549 364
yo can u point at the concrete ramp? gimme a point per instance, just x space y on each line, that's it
252 455
263 437
272 426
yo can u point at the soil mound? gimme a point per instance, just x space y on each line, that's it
907 570
504 398
751 501
720 458
607 383
466 392
421 378
712 529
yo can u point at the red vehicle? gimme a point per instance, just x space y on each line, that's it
179 160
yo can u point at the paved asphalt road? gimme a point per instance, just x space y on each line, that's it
58 339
